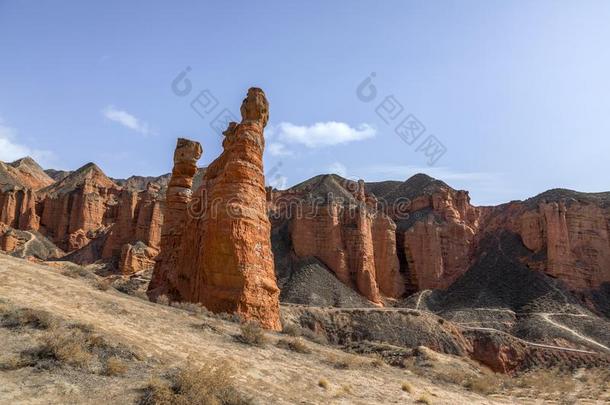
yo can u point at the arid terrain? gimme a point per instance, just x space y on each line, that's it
206 286
152 339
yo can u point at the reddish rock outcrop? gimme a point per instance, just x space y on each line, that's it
136 258
178 197
18 208
78 203
225 260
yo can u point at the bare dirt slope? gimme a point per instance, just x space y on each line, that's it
166 337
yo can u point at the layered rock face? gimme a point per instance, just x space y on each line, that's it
225 260
178 197
568 234
440 245
139 218
81 209
341 236
382 239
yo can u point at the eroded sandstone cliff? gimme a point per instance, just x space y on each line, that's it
225 260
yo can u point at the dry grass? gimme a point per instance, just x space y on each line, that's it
59 344
103 285
313 336
291 329
211 384
295 344
323 383
162 300
115 366
424 399
407 387
546 381
596 382
11 317
252 334
350 361
195 308
487 383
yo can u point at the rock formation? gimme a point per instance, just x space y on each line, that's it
178 197
225 259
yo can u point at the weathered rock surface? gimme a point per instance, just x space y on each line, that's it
178 198
137 258
23 173
225 259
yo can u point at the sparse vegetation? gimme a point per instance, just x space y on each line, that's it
212 383
194 308
313 336
102 284
350 361
424 399
291 329
407 387
115 366
295 344
11 317
59 344
162 300
252 334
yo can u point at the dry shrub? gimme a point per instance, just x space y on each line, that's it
13 363
252 334
487 383
291 329
323 383
11 317
313 336
67 346
73 345
296 345
350 361
547 381
424 399
195 308
115 366
102 284
407 387
596 381
210 384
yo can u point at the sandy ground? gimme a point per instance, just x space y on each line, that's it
168 337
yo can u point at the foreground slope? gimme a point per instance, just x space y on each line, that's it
166 337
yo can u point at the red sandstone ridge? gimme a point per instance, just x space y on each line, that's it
24 173
567 233
225 260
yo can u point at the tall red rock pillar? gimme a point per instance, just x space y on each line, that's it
178 197
234 271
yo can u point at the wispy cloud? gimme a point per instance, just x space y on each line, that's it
11 149
278 149
126 119
322 134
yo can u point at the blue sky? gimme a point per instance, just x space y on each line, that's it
516 92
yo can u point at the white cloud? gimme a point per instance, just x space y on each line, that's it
279 182
338 168
278 149
11 149
323 133
126 119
